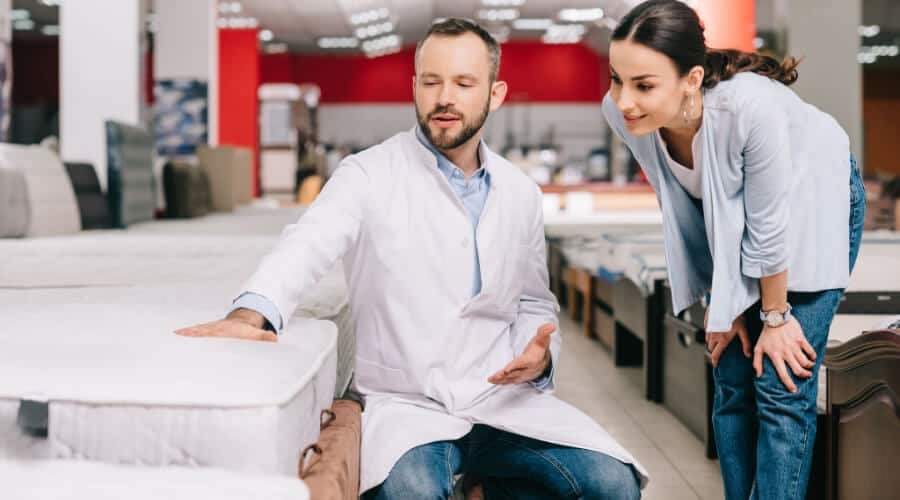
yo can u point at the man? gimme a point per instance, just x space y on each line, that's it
443 243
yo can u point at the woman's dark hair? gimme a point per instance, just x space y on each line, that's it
674 29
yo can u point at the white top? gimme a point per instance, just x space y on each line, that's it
689 178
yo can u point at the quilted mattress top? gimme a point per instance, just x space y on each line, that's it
127 353
81 480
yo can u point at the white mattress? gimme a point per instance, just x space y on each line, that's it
243 221
609 253
52 206
81 480
878 264
843 328
122 388
563 224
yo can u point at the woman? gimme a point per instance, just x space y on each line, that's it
753 186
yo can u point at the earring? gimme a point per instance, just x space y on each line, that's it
693 108
684 112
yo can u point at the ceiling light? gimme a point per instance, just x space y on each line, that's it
369 16
566 30
50 30
498 14
20 14
338 42
580 15
381 43
266 35
503 3
374 30
532 24
869 31
23 25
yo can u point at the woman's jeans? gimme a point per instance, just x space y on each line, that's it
765 434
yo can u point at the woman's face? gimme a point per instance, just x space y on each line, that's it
647 88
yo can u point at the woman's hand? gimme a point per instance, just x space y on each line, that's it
785 346
716 342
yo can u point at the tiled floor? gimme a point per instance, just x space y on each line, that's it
673 456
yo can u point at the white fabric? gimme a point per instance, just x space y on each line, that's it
52 206
123 388
690 178
425 347
845 327
81 480
562 224
14 211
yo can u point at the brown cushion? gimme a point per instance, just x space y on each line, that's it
330 468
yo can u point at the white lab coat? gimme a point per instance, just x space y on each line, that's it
425 346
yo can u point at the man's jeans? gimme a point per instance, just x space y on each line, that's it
509 467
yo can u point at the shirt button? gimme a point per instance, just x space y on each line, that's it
464 243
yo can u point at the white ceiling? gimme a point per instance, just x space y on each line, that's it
300 23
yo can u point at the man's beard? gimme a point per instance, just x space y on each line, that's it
443 140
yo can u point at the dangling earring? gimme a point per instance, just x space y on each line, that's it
693 109
684 111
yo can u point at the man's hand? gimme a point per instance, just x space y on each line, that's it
787 347
531 364
240 324
716 342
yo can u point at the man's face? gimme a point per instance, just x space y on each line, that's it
453 89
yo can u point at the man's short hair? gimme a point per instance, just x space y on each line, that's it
454 27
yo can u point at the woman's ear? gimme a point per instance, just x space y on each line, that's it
695 78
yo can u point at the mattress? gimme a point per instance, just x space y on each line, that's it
51 200
108 381
243 221
205 271
607 255
645 269
230 173
845 327
93 206
563 224
82 480
130 183
186 190
14 211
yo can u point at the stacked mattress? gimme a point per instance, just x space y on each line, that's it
108 380
77 480
130 182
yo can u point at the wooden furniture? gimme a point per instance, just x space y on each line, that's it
863 423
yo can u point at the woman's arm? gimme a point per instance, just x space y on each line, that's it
774 292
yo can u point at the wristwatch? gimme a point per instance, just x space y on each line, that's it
774 319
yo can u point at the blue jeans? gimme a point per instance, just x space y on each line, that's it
765 434
508 466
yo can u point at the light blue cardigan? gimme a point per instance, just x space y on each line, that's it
776 174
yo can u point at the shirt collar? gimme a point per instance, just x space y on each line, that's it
446 166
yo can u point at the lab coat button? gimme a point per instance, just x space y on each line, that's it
465 243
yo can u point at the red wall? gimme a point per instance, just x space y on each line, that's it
239 71
535 72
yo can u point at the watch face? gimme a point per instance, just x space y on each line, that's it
775 319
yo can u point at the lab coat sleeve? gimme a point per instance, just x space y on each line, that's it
537 306
308 249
